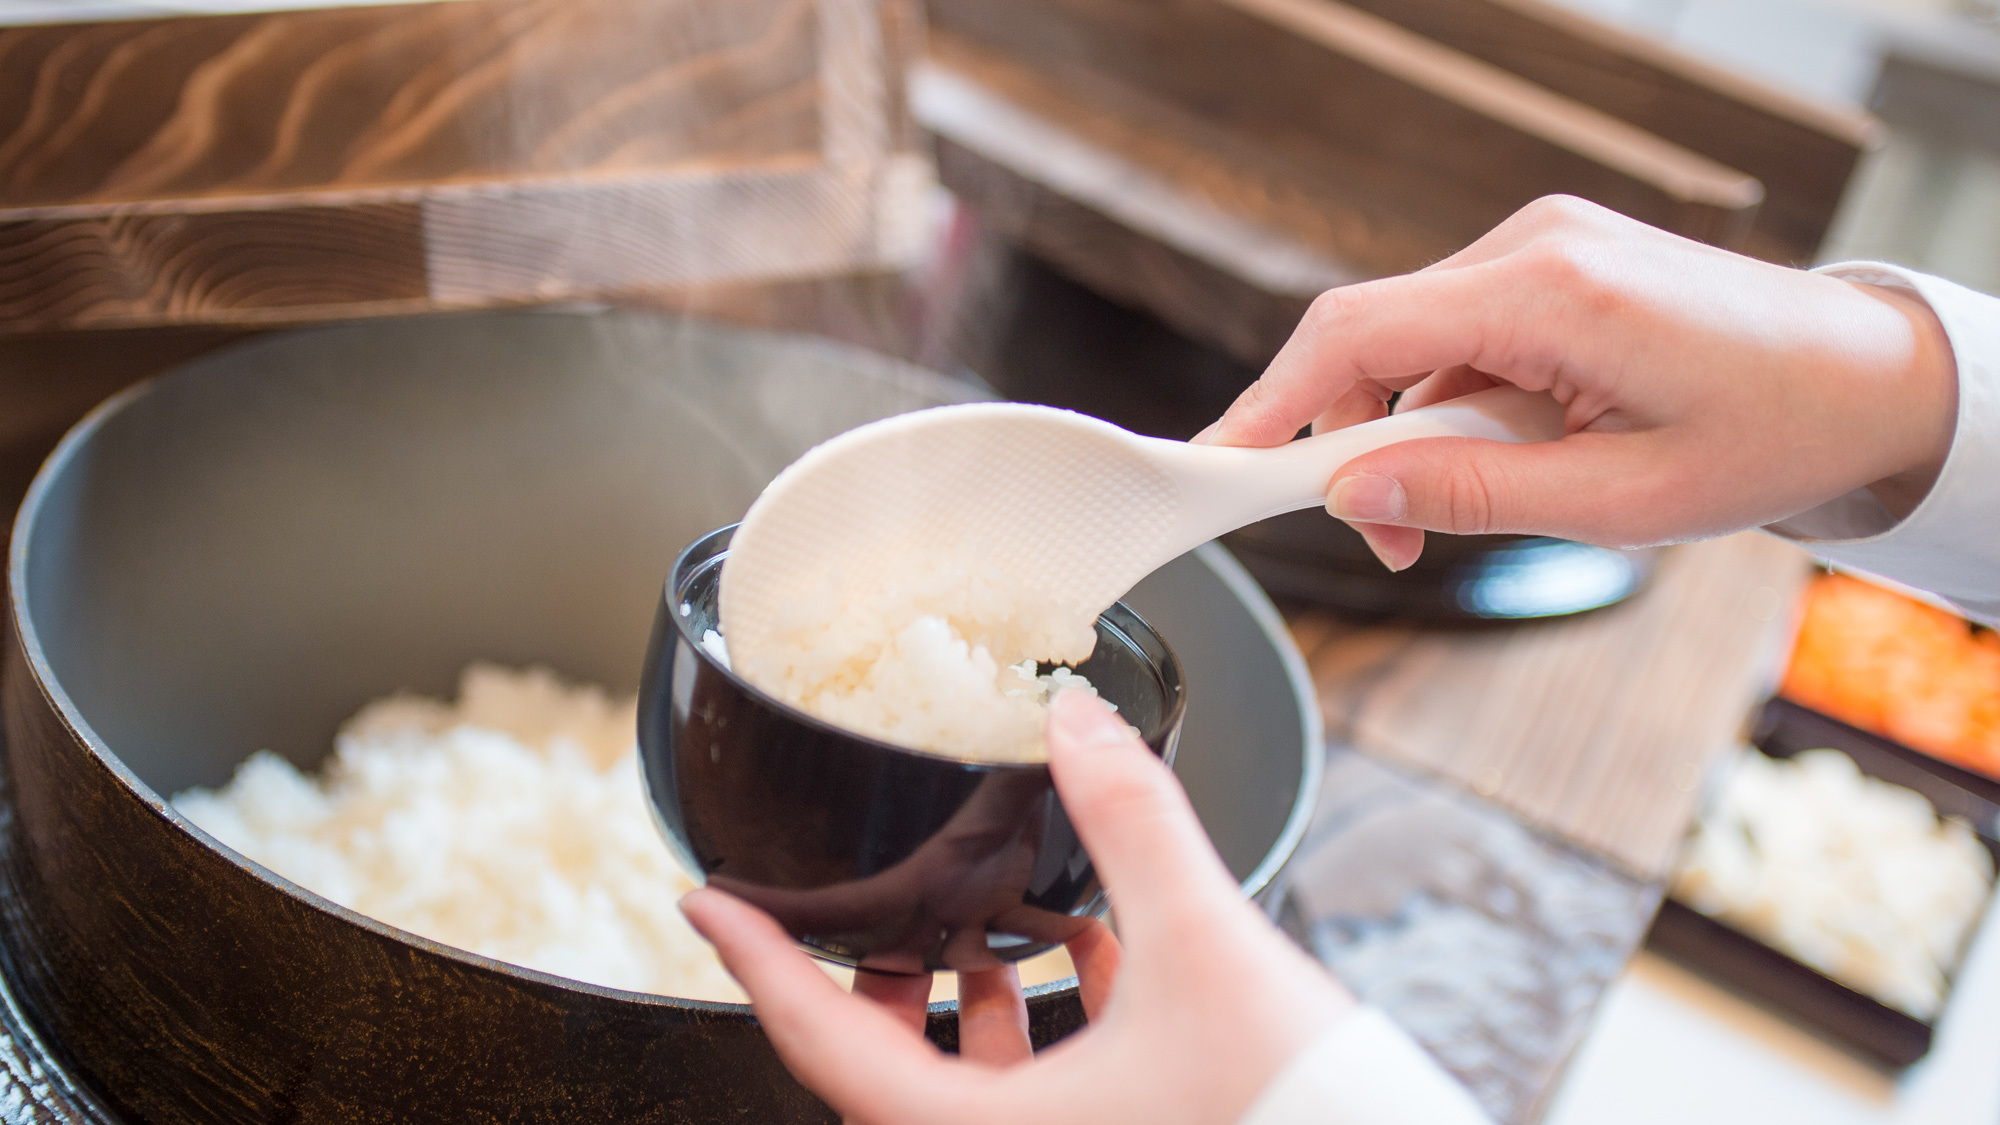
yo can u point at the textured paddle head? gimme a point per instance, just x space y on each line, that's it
989 500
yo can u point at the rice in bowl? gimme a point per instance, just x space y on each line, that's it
935 654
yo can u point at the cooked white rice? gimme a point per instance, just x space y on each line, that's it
937 656
511 823
1847 873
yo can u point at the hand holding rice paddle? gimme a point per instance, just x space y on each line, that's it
906 563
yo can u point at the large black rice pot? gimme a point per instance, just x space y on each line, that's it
239 554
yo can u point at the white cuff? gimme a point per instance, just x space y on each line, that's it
1949 545
1363 1071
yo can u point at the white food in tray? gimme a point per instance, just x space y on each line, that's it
1856 877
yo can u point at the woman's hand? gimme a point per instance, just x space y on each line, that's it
1189 1020
1705 391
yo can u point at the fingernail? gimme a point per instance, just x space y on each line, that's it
1388 560
1367 498
1207 432
1079 718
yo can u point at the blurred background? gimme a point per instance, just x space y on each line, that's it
1123 207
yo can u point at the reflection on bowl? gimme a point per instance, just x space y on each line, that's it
872 854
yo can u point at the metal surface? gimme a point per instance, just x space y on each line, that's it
240 554
1488 942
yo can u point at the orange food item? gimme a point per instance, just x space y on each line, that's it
1909 671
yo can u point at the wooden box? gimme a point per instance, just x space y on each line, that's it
1220 162
349 161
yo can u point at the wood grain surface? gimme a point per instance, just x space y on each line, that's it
1140 215
35 1087
351 161
1220 162
1326 95
1802 151
346 98
110 931
1597 730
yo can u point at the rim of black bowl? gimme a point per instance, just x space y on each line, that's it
1168 672
72 718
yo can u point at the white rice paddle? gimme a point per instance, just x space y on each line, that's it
1067 510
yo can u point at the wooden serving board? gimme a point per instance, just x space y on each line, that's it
1597 730
361 160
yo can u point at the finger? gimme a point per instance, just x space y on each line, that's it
1383 336
1132 816
1397 548
1096 954
1038 924
1441 386
1364 403
1549 215
966 950
865 1061
906 996
1596 487
993 1018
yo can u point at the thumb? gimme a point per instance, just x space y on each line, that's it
1581 487
1131 814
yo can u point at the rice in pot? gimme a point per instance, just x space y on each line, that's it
511 823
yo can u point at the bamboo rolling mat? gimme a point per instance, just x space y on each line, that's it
1597 730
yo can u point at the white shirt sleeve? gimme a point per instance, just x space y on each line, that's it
1950 544
1363 1071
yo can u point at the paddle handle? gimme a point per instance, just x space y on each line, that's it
1223 488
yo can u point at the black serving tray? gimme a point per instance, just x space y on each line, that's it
1785 728
1733 958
